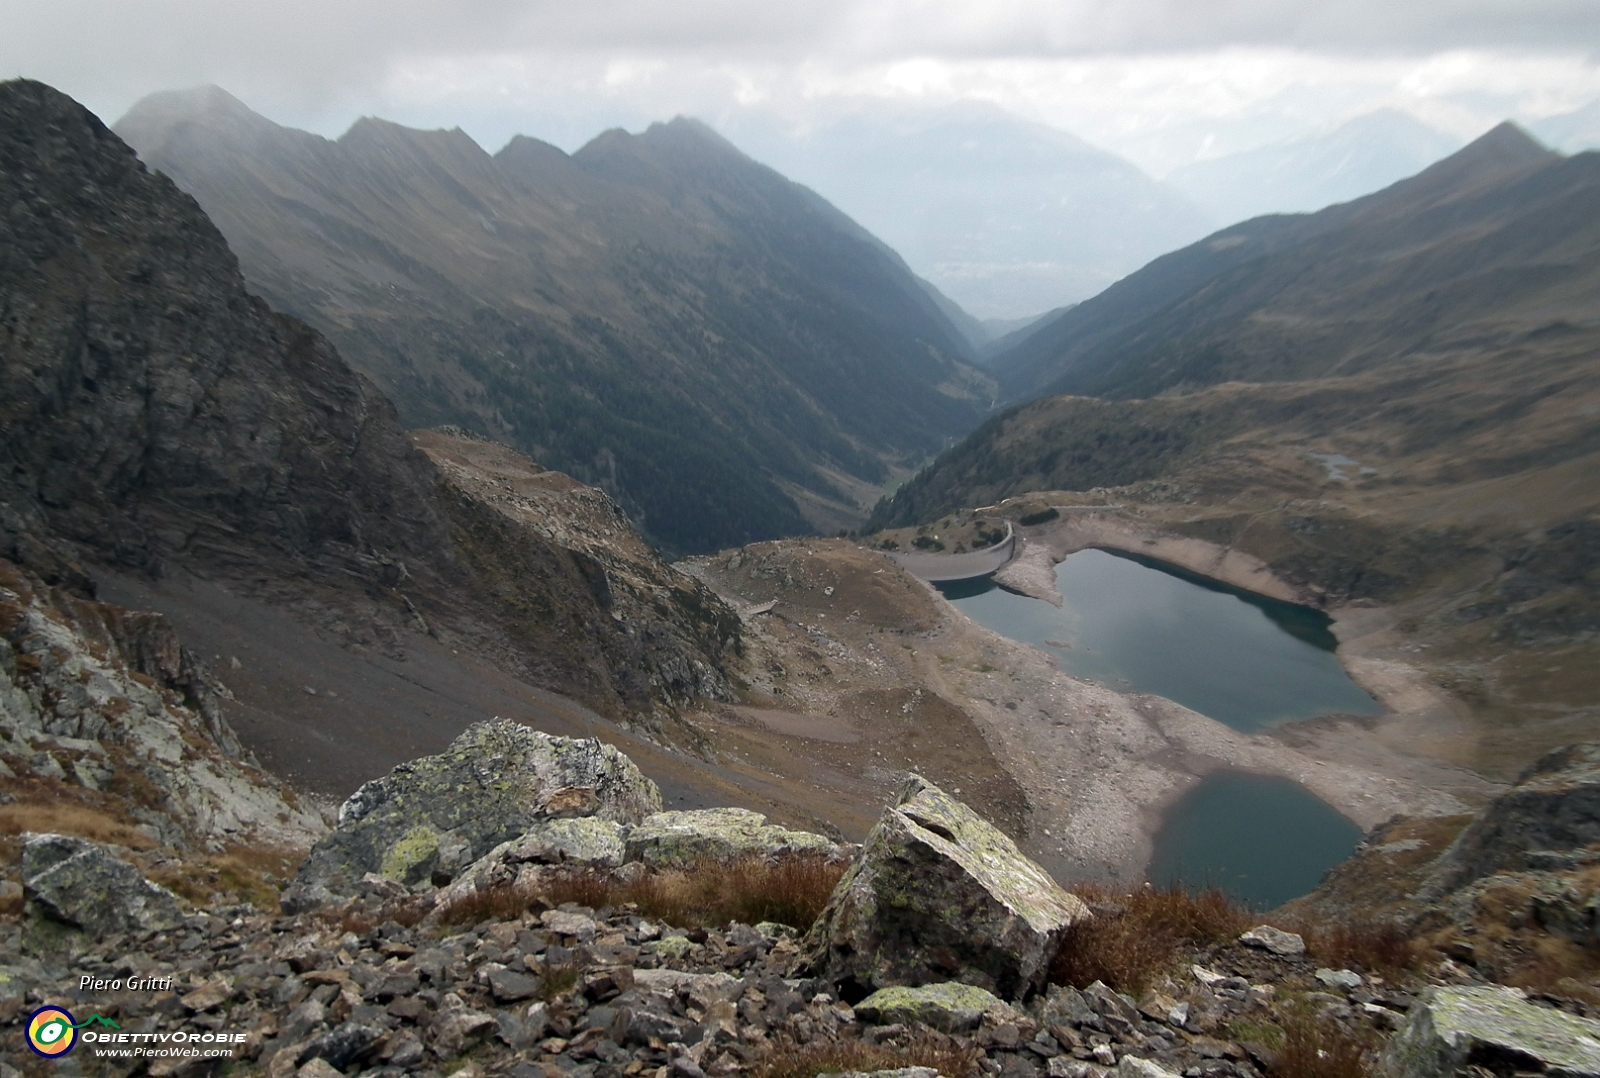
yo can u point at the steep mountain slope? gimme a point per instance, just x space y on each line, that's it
157 419
1360 156
1476 247
718 348
1394 402
1007 217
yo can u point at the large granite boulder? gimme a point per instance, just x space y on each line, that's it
938 894
680 839
1450 1028
439 814
78 883
1553 809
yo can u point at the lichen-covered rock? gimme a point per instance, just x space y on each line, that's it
938 894
78 883
681 838
1274 940
1450 1027
1553 808
951 1007
497 782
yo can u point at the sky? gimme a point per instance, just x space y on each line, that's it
1160 82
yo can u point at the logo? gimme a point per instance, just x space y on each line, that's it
52 1031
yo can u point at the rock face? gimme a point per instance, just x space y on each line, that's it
1553 809
938 894
1450 1028
102 699
679 839
155 416
80 884
441 813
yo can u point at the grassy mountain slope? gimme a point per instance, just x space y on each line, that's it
1447 256
656 314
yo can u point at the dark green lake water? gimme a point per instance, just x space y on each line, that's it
1245 660
1262 839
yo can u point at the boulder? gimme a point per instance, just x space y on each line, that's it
1275 940
1449 1028
951 1007
679 839
495 783
79 883
938 894
1552 810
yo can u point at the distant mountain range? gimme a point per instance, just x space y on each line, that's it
720 349
1008 218
1360 156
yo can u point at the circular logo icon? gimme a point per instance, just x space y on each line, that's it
51 1032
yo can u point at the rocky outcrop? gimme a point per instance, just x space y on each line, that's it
104 704
681 839
437 815
1452 1029
79 884
938 894
1549 817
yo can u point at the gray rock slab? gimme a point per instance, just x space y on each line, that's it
939 894
493 784
79 883
1450 1027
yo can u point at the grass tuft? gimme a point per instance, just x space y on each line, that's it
1313 1049
1380 947
1135 937
787 1058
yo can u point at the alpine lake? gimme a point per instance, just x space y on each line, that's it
1138 625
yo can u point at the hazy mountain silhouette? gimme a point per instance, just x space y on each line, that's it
1009 218
1360 156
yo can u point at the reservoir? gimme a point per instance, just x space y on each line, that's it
1140 626
1248 661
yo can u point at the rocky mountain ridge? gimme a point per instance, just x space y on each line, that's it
726 354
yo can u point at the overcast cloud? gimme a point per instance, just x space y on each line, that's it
1160 81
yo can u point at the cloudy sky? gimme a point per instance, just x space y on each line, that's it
1162 82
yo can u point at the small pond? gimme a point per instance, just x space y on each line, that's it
1261 838
1251 662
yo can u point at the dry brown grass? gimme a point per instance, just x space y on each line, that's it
1136 936
251 874
1313 1049
68 818
1380 947
792 892
787 1058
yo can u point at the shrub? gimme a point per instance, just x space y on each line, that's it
1313 1049
1043 516
1381 947
792 891
1135 937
